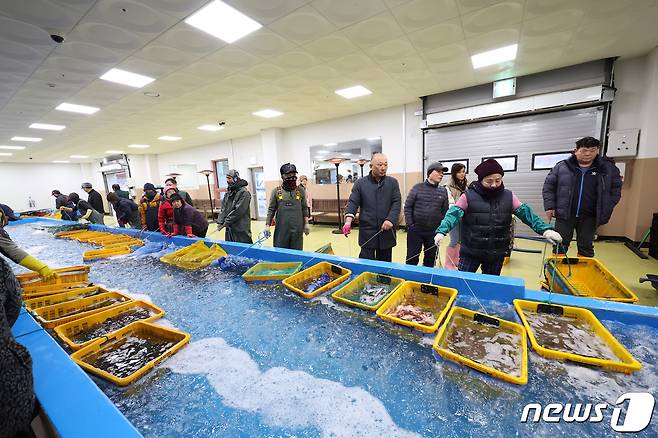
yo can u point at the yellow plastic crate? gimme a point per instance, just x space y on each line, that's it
33 282
194 256
110 238
350 293
626 363
269 271
589 278
68 331
42 291
96 254
337 275
429 297
86 356
52 316
86 236
131 243
68 295
69 234
462 320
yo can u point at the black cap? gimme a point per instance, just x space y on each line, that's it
438 166
288 168
55 192
86 185
149 186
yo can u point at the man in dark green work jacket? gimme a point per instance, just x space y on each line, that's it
235 215
289 209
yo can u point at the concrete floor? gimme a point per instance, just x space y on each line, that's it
615 256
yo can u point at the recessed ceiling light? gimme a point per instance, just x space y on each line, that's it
210 128
6 154
73 108
496 56
127 78
30 139
112 151
222 21
169 138
13 148
352 92
79 156
47 126
330 144
61 161
268 113
139 146
373 138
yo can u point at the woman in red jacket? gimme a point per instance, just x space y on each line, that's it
166 213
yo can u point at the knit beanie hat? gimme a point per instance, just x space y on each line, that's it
488 167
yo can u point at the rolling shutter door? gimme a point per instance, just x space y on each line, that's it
520 136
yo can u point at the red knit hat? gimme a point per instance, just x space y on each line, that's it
488 167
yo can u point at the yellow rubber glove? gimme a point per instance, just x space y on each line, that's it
35 265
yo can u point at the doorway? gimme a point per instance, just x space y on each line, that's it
259 207
110 178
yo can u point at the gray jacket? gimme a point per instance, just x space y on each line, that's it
236 212
377 202
425 207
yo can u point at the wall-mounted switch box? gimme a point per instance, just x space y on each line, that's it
623 143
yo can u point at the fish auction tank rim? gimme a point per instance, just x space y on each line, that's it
65 389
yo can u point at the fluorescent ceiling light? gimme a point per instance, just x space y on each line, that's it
73 108
496 56
352 92
30 139
6 154
61 161
373 138
47 126
169 138
112 151
222 21
210 128
268 113
330 144
139 146
79 156
127 78
13 148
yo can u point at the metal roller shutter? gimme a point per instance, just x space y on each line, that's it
520 136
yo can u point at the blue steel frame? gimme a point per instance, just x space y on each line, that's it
75 405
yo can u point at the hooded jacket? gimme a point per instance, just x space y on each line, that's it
565 178
235 214
189 221
148 212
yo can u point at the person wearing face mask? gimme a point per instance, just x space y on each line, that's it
148 208
188 221
85 209
425 207
485 212
378 198
581 193
236 210
289 209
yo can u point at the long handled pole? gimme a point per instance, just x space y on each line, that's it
212 211
338 231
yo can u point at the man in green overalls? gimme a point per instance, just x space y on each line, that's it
288 207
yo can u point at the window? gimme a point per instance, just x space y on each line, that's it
547 160
221 169
508 162
187 175
449 163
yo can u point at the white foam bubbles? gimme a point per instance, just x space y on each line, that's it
284 397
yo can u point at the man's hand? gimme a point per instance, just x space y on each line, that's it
267 233
552 236
438 238
307 229
220 227
347 228
550 214
387 225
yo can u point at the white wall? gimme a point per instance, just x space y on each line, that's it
20 181
636 100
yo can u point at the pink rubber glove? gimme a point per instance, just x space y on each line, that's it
347 228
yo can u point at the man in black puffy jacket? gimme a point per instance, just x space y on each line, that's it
581 193
424 209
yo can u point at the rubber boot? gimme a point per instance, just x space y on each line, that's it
452 257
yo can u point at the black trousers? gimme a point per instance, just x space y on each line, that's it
383 255
416 240
585 229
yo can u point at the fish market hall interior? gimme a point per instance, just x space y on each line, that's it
328 218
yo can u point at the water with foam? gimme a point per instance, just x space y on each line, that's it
265 362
